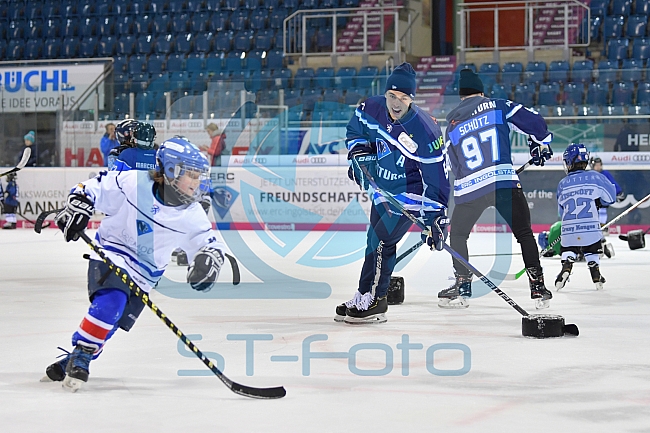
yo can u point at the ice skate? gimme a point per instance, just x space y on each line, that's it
563 276
368 310
9 226
538 291
56 372
456 296
608 250
341 309
181 257
77 370
596 277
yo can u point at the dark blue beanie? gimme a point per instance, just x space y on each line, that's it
402 80
469 83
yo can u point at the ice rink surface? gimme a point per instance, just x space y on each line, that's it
467 370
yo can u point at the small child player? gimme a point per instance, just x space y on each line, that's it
9 197
148 215
579 197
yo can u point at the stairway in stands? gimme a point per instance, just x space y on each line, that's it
352 36
433 75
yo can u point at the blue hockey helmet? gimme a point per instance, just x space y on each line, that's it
574 153
184 168
124 131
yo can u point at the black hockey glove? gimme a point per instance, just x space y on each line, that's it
206 203
599 204
363 157
620 197
437 223
204 270
74 217
540 152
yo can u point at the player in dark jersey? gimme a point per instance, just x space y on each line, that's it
478 145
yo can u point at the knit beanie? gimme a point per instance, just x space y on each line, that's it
402 79
30 136
470 83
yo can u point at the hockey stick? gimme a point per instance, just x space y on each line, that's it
23 162
247 391
420 243
446 247
34 222
38 224
236 277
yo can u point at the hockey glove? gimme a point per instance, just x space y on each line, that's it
620 197
540 152
74 217
206 203
437 223
204 270
362 158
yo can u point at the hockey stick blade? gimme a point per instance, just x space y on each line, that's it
571 329
38 224
236 276
237 388
23 162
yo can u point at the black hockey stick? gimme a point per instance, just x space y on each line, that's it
236 277
247 391
446 247
38 224
34 222
23 162
420 243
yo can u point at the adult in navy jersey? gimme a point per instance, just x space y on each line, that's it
579 196
148 215
597 165
401 147
478 143
136 150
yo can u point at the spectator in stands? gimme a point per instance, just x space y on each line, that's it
623 143
109 142
30 141
217 144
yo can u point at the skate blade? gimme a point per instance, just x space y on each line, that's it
339 319
540 304
45 379
599 286
375 318
453 304
71 384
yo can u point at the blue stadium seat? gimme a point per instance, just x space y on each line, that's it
621 7
366 75
582 71
251 4
489 74
199 22
88 27
156 63
265 79
68 9
203 42
33 10
183 43
642 7
176 62
574 93
253 83
160 24
638 110
535 72
607 71
51 28
631 70
597 94
332 95
233 61
500 91
264 40
613 26
277 17
88 47
324 77
353 96
231 4
125 45
239 20
324 39
69 29
212 5
345 77
558 71
614 110
179 80
195 62
641 48
33 49
281 78
270 4
587 110
15 49
462 66
143 104
290 4
70 48
275 59
254 60
164 44
180 23
561 111
617 48
549 94
121 83
136 64
159 6
622 93
636 26
198 84
223 41
524 95
309 98
34 29
144 44
103 8
258 19
141 25
643 94
214 61
52 48
219 21
177 6
594 27
511 73
119 64
303 78
242 41
106 26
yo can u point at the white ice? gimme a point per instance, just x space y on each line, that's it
597 382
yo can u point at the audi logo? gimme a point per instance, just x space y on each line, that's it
318 160
641 158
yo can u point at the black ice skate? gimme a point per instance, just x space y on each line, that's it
538 291
77 370
368 310
9 226
181 257
563 276
341 309
608 250
596 277
56 372
457 295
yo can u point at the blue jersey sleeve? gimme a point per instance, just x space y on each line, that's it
607 190
356 134
525 121
609 177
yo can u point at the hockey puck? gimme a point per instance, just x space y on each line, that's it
395 291
546 326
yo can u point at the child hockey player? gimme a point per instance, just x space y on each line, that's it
579 196
148 214
10 202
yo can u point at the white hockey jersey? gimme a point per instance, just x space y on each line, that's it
139 233
576 199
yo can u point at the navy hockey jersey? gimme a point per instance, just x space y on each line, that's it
133 158
576 199
411 159
478 143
